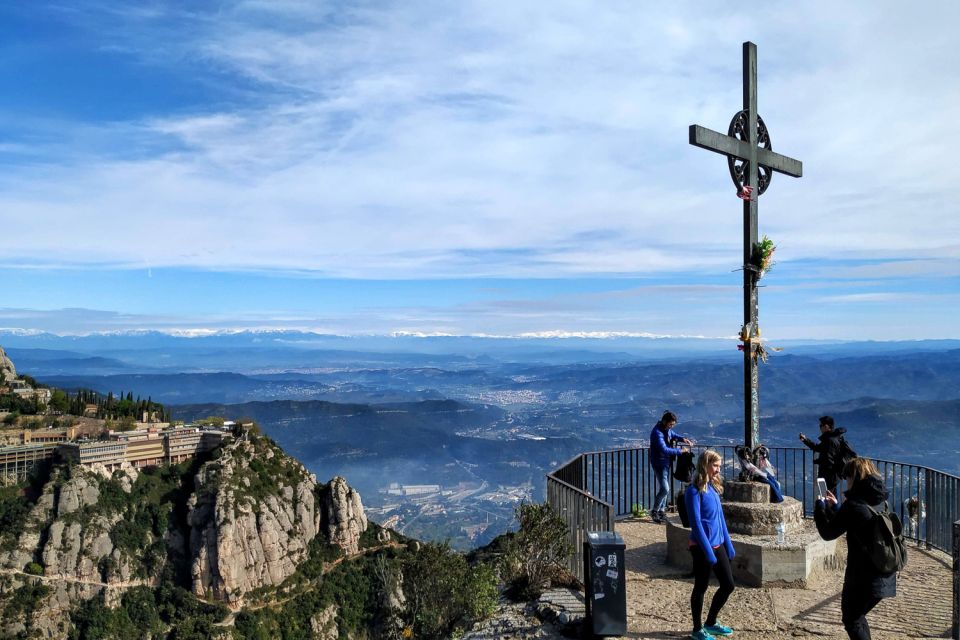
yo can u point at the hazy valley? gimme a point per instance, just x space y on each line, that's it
463 437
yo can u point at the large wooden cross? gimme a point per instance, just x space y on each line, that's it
752 162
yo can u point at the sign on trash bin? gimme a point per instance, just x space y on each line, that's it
605 583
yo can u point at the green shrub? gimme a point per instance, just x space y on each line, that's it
24 601
14 509
141 608
639 511
482 594
34 569
94 619
351 586
537 553
443 592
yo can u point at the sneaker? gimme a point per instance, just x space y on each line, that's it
718 629
701 634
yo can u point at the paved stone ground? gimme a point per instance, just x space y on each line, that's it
658 598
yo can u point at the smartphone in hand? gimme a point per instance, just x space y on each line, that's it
822 488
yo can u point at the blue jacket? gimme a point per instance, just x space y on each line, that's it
660 450
708 529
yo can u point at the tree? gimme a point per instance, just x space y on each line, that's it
59 401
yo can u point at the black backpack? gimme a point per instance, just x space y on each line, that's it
845 454
885 545
686 468
682 509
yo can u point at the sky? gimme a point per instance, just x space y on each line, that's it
495 168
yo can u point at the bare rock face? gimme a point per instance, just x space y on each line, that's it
28 543
74 547
127 475
7 370
388 623
251 520
79 492
69 539
323 625
343 518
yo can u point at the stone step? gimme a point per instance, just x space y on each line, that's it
756 519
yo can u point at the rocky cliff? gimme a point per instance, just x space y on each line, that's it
68 534
253 516
238 521
7 370
66 538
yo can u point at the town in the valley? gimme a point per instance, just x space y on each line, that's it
468 513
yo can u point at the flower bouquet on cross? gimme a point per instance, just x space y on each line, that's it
762 258
751 341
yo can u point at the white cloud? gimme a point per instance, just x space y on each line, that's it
429 139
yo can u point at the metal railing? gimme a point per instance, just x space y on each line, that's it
581 511
594 489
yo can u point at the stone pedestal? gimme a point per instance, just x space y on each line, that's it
751 492
762 519
748 510
802 561
752 521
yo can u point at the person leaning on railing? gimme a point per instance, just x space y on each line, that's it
661 453
863 585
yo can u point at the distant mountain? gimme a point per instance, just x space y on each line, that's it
715 384
51 362
258 351
225 387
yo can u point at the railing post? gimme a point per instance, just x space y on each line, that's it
931 506
956 581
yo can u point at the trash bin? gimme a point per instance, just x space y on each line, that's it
605 583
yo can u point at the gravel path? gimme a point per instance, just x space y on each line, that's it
658 598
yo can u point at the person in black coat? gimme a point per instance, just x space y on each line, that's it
863 585
830 449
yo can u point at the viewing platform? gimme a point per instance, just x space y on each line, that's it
602 490
658 597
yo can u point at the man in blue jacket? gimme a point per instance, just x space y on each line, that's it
661 454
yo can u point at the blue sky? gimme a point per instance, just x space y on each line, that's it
472 168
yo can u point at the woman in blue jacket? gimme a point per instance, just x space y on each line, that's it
710 545
661 453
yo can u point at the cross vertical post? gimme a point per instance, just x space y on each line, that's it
752 161
751 303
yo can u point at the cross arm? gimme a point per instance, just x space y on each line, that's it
729 146
718 142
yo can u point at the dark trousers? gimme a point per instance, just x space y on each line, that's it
855 604
833 481
701 578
